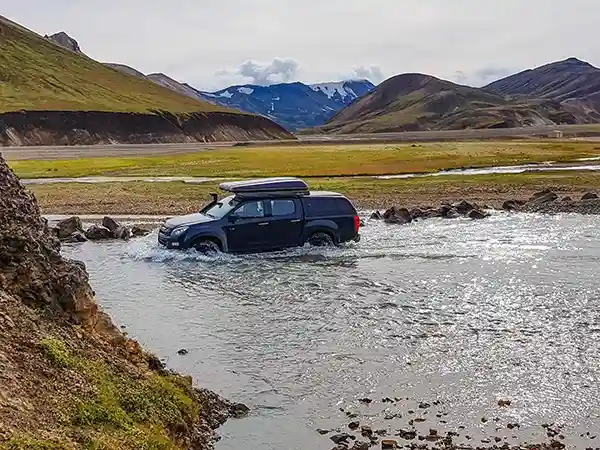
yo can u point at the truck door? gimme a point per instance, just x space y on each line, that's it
287 222
250 231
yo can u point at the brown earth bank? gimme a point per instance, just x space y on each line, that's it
31 128
140 198
69 379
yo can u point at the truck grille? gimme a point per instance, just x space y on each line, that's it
165 230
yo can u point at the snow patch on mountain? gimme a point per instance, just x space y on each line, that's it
246 90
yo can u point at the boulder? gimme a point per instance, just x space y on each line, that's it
589 196
463 207
69 226
110 223
341 438
416 213
397 216
389 444
510 205
449 213
376 215
123 233
475 214
567 199
77 236
543 197
98 233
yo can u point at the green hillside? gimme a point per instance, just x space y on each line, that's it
36 74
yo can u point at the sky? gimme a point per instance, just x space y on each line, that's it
212 44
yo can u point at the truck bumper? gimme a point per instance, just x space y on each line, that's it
168 242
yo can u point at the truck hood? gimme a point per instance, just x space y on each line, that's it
190 219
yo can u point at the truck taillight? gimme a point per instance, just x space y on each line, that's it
356 223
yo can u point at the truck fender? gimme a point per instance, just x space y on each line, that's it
321 225
219 238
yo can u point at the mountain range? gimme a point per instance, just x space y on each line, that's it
292 105
563 92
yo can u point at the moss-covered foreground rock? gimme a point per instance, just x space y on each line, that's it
69 379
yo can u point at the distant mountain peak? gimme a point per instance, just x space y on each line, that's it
64 40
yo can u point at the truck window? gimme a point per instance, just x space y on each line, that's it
250 210
283 207
319 207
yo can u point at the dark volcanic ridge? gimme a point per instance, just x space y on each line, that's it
89 127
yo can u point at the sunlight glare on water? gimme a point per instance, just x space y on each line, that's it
461 311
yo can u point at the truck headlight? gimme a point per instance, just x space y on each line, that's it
178 231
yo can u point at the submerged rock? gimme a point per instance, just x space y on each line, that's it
98 233
123 233
475 214
376 215
396 215
463 207
140 231
589 196
78 236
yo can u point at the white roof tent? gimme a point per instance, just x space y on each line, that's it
266 186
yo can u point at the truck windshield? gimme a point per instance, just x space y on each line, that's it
222 207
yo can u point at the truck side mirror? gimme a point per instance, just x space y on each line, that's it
233 218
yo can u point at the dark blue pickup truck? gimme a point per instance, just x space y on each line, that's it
264 215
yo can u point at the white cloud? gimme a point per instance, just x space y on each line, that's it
279 70
372 73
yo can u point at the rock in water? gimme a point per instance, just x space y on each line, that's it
122 233
98 233
463 207
448 212
397 216
78 236
69 226
510 205
110 223
139 231
475 214
589 196
376 215
542 197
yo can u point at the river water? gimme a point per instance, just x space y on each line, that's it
457 312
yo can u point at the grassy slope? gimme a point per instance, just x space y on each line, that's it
315 161
36 74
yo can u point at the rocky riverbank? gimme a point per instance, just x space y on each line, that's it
97 127
69 379
401 422
543 202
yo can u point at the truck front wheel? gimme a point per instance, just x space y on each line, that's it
321 239
206 247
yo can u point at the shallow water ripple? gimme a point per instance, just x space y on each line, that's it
464 312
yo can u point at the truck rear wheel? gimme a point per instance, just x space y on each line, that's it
207 247
321 239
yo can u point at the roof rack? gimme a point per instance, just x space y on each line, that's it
279 185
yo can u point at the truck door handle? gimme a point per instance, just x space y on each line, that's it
262 224
295 220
